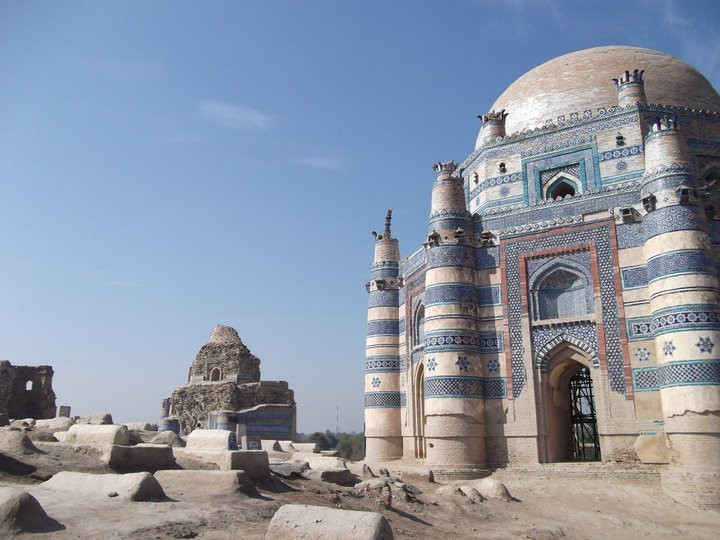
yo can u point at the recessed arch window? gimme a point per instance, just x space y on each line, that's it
562 187
215 374
561 293
418 331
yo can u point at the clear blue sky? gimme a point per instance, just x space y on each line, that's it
167 166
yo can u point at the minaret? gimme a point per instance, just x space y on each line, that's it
685 306
631 88
454 428
493 126
382 361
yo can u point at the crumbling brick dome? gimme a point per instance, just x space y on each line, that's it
225 356
582 81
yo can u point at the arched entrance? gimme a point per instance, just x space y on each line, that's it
566 407
419 409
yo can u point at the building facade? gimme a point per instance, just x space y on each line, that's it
565 306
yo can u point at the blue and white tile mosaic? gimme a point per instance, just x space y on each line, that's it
384 298
382 327
380 364
634 277
705 345
617 153
487 258
382 400
465 387
642 354
686 373
462 363
681 318
464 340
600 236
668 348
676 263
672 218
450 255
639 328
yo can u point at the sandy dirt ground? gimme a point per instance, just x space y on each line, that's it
545 508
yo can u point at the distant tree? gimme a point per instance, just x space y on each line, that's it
332 438
320 439
350 446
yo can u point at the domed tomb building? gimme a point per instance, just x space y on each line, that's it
565 306
224 379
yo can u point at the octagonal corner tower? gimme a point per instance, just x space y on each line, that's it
565 305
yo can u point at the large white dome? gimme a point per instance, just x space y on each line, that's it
582 80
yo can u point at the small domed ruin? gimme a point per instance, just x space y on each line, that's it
225 377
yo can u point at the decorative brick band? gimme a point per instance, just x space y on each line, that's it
639 328
681 318
450 255
449 224
691 261
381 364
670 219
379 273
385 298
459 340
617 153
685 373
382 327
382 400
465 387
451 293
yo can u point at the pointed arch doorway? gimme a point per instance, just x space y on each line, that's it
567 414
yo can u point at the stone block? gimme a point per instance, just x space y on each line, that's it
97 435
288 469
16 442
319 462
296 521
302 447
96 419
253 462
61 436
211 439
20 512
138 426
652 448
341 477
142 457
140 486
59 422
206 483
169 438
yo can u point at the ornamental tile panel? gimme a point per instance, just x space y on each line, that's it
460 386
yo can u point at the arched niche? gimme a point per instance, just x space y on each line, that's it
561 288
563 184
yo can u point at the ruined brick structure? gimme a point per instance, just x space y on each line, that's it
565 306
25 392
225 376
